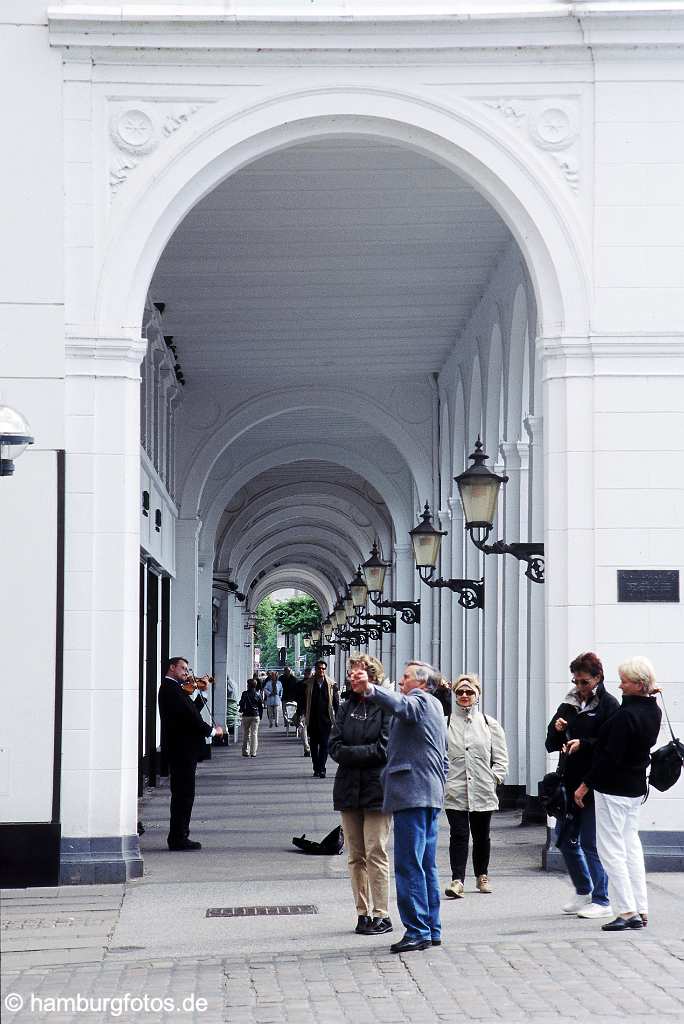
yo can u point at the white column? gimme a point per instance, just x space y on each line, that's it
221 663
100 723
184 591
511 570
521 626
538 700
457 572
205 569
403 591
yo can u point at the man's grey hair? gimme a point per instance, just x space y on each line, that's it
427 674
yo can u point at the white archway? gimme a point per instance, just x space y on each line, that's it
463 136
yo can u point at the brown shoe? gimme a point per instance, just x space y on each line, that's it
483 884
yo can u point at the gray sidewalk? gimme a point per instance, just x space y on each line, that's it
508 956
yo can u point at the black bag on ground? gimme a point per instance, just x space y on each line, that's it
667 761
331 845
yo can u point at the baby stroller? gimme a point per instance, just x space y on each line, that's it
290 716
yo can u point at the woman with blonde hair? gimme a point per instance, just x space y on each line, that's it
358 742
478 762
617 777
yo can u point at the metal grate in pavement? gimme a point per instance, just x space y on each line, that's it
280 910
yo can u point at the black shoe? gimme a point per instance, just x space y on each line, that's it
307 753
316 775
407 945
187 844
379 926
363 924
321 775
436 942
623 924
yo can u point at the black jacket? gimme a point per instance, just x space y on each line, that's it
360 748
622 752
183 730
251 704
583 726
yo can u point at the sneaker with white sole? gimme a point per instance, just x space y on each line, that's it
455 890
594 911
577 904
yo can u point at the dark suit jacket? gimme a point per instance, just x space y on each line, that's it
183 729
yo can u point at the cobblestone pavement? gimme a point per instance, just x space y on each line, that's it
150 947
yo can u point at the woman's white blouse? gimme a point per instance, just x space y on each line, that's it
478 761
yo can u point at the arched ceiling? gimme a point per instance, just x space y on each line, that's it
326 258
345 267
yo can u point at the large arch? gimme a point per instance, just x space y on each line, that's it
297 400
464 136
310 452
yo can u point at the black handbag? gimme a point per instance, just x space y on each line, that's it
667 761
552 792
331 845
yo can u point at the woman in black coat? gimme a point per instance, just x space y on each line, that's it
358 743
574 729
618 778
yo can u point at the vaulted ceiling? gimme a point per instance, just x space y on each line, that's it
328 263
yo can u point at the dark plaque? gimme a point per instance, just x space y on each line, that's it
640 585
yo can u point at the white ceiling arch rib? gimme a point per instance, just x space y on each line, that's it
295 576
331 564
322 535
394 498
318 498
319 522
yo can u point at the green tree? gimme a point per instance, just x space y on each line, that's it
297 615
265 631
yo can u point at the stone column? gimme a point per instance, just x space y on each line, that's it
205 609
537 700
100 718
511 570
184 590
403 591
221 663
457 533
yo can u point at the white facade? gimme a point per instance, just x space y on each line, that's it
375 233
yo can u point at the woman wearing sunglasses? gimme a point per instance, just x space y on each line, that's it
574 729
478 762
358 742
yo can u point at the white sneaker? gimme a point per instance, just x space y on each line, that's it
576 904
595 910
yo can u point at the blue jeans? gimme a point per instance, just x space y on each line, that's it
415 870
578 847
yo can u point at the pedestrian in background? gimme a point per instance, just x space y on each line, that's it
322 702
618 778
478 762
413 782
252 710
574 729
358 743
302 732
273 694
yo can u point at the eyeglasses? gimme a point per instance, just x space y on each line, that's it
465 693
583 682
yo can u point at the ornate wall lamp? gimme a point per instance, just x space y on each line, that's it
15 436
373 581
478 489
427 541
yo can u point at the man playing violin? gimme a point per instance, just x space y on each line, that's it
183 730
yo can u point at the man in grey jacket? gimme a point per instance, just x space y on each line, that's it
413 783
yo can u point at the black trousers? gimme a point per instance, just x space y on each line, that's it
463 824
182 783
318 742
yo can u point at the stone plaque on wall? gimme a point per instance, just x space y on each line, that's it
655 585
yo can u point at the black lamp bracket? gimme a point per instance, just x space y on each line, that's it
533 554
470 592
409 611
